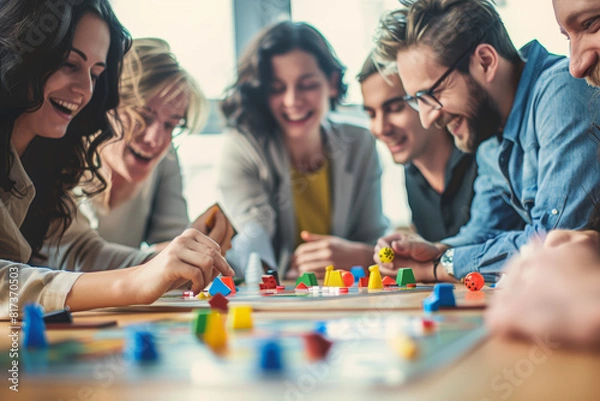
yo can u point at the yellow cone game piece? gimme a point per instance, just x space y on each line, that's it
386 254
215 335
335 279
328 271
375 282
240 317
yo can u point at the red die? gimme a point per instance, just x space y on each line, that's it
474 281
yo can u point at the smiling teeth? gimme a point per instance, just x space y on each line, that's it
67 105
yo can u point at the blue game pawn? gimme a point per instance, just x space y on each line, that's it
444 292
357 272
271 360
321 327
34 328
140 346
219 287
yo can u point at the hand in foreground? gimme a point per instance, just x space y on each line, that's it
551 293
192 256
217 226
319 251
411 251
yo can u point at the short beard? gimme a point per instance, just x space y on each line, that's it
593 79
485 120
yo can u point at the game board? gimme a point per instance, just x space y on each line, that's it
361 353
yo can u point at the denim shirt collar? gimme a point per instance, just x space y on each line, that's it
535 57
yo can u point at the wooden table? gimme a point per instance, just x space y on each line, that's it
496 370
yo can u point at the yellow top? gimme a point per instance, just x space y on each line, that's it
312 199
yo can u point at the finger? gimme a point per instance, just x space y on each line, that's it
382 243
310 247
308 236
314 266
323 255
203 252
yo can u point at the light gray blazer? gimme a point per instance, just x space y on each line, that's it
254 181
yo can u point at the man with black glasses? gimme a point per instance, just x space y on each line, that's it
526 118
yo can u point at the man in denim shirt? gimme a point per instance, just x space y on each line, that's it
530 122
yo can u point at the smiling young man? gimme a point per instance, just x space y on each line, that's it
527 118
439 177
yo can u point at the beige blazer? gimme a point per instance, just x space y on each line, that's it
254 181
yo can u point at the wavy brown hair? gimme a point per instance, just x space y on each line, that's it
35 39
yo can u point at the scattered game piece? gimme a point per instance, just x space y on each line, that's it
474 281
203 295
328 271
386 255
254 271
215 335
405 347
59 316
218 287
240 317
271 357
431 304
375 282
444 292
335 279
317 346
301 287
357 272
274 274
388 281
343 290
228 281
280 288
218 302
199 322
363 282
34 328
428 325
187 295
411 285
321 327
140 346
269 282
347 278
405 276
309 279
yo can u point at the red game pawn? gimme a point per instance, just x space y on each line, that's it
270 282
317 346
474 281
348 278
219 303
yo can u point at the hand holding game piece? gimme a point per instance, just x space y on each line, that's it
319 251
190 256
386 254
536 299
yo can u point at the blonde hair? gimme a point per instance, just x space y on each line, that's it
149 70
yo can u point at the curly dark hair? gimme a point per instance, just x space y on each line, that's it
245 104
35 39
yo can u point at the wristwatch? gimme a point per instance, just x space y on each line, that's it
447 261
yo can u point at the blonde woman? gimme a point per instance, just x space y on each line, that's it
143 202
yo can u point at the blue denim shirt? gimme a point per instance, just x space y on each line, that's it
540 174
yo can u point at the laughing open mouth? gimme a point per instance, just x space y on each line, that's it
138 155
64 106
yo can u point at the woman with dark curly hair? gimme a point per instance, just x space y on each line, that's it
303 190
58 79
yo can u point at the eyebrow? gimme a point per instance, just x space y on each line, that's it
392 100
575 15
84 57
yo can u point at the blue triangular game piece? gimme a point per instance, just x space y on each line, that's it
219 287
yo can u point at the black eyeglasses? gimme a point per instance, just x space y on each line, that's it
427 96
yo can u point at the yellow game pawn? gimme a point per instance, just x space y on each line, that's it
328 271
386 255
240 317
215 335
375 281
335 279
405 347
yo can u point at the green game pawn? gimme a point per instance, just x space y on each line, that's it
405 276
309 279
199 322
